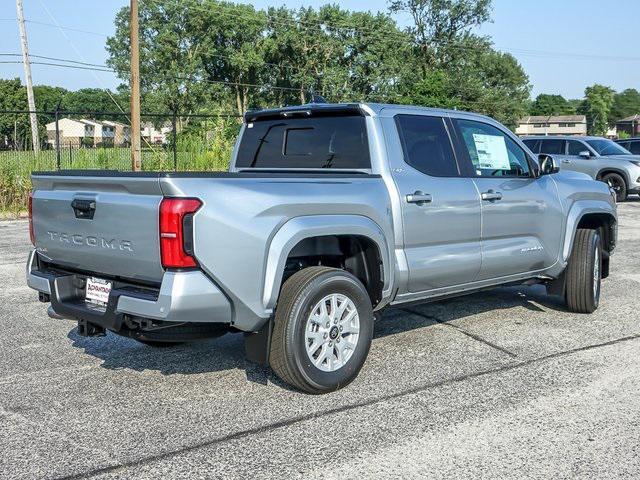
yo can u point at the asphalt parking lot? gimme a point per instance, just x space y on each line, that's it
501 384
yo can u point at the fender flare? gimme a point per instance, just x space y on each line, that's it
299 228
622 173
577 211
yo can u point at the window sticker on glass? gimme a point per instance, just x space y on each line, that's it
492 152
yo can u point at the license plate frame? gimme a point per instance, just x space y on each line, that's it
97 291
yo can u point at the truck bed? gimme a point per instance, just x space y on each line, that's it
232 231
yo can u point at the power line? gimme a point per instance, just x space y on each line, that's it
103 68
50 64
69 29
55 59
45 24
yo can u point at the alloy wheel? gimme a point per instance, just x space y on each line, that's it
331 332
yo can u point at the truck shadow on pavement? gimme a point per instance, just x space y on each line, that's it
226 353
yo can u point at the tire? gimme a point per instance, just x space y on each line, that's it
584 272
618 183
309 355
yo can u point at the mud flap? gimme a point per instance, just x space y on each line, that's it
257 344
558 285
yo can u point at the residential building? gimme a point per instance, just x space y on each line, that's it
552 125
629 125
103 134
121 134
153 135
72 132
84 132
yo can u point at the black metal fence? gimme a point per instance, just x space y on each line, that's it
102 140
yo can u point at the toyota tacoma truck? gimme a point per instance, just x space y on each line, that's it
328 214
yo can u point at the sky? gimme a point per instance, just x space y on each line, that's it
563 45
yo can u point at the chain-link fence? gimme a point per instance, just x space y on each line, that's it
102 140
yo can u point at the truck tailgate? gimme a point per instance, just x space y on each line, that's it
100 224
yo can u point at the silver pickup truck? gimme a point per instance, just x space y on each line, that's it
329 214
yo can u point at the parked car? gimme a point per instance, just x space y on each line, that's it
600 158
328 214
630 144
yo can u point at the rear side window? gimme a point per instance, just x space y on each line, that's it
426 145
316 142
552 147
534 145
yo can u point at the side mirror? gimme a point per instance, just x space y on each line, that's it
585 154
547 164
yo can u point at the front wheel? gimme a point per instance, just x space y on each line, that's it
617 183
322 331
584 272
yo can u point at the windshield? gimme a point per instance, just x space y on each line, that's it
607 147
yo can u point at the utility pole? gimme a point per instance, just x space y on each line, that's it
35 140
136 163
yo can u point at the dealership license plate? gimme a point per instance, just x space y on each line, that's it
97 291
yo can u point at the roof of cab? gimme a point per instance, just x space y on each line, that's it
373 109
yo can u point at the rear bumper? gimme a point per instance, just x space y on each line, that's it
183 297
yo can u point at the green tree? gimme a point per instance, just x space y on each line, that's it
47 97
170 63
209 55
441 27
546 104
457 67
625 104
95 100
597 107
13 127
342 55
201 53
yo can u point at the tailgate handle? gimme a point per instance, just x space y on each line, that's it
83 208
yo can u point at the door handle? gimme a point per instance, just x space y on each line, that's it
419 198
491 196
566 161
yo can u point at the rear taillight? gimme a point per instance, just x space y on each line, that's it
32 235
176 243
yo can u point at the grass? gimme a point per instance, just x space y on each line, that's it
194 154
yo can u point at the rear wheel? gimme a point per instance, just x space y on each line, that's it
617 183
322 331
584 272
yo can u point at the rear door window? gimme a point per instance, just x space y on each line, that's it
552 147
426 145
336 142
